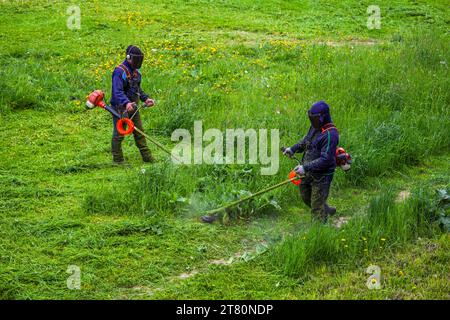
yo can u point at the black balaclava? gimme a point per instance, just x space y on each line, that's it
319 114
136 56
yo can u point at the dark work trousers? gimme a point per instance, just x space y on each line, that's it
139 139
314 190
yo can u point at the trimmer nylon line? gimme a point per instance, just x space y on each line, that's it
210 212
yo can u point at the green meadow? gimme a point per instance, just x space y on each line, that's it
134 231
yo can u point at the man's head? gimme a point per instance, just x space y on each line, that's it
134 56
319 114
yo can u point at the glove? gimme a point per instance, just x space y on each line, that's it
149 102
300 170
130 106
288 152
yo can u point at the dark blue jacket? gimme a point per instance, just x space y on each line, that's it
319 145
125 90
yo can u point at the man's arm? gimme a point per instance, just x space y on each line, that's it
327 154
142 95
301 145
117 87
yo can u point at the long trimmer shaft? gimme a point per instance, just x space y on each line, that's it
231 204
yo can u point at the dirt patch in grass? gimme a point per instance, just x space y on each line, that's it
340 221
186 275
364 43
403 195
222 262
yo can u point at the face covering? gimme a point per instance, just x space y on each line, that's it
315 119
136 60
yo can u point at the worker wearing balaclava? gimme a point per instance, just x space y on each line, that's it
319 160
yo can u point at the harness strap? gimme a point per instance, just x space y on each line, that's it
127 71
327 127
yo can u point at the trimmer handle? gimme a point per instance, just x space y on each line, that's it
290 157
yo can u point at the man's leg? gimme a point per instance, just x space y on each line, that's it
116 144
140 141
330 210
305 190
319 196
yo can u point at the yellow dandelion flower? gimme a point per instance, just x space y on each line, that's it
373 280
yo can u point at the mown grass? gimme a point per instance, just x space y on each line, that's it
230 64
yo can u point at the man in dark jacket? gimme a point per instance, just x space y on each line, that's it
126 93
319 160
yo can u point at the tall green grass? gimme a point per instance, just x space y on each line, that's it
165 189
149 191
384 226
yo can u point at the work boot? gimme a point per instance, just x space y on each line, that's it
331 211
208 219
147 157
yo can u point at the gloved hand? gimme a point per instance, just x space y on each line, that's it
149 102
288 152
300 170
130 106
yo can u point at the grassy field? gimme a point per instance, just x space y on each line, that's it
135 233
